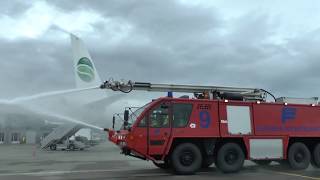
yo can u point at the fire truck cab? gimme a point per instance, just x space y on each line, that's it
186 134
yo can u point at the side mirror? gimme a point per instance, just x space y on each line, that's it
126 115
125 118
113 121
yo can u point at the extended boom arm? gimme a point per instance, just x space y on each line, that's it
214 92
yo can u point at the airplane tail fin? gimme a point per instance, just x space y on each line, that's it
85 71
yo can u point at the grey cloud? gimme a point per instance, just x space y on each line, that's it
30 66
165 21
14 8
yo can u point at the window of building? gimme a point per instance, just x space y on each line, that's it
181 114
1 136
15 137
159 117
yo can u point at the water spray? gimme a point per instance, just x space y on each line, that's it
48 94
67 118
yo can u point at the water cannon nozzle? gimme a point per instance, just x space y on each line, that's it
103 85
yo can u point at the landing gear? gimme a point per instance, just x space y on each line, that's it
299 156
186 158
230 158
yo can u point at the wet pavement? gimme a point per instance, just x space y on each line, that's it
104 162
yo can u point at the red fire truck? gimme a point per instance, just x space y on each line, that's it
221 125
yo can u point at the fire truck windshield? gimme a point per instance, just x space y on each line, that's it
134 115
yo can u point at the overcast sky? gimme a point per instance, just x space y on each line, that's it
264 44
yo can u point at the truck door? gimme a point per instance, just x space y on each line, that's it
141 134
159 128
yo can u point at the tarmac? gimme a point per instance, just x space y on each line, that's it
29 162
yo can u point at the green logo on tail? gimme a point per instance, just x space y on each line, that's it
85 69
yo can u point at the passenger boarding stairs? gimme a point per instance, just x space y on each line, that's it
60 133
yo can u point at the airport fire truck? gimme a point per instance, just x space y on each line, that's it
221 125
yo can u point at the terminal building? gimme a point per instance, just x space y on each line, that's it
20 129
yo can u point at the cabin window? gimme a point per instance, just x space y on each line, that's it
159 117
181 114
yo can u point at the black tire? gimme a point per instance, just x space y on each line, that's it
186 158
299 156
53 147
262 162
230 158
164 165
207 161
315 160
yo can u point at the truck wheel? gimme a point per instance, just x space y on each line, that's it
299 156
207 161
316 156
186 158
262 162
230 158
164 165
